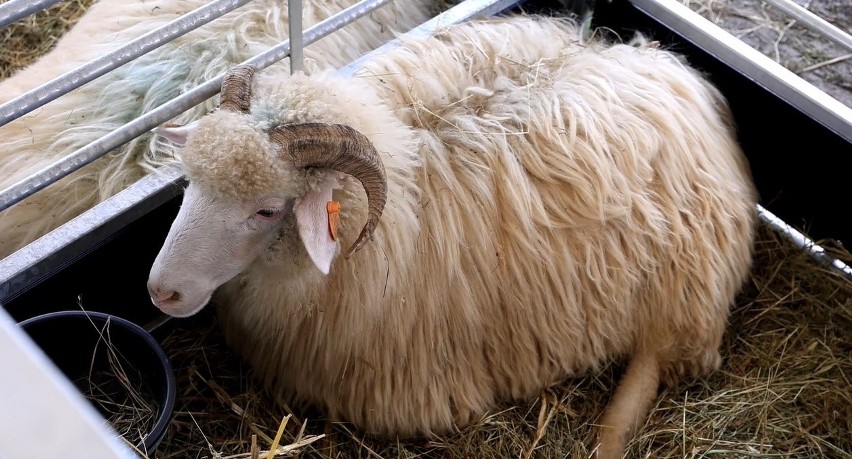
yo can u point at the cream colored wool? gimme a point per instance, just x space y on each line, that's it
255 170
38 139
554 203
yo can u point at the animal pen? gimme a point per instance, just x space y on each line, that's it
796 312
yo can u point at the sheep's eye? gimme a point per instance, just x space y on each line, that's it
266 213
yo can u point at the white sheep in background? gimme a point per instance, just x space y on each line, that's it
70 122
551 204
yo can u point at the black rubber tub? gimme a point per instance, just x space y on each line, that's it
117 365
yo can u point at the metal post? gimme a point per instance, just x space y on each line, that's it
13 10
294 10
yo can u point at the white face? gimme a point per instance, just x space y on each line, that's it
210 242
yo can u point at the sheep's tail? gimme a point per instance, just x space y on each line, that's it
630 405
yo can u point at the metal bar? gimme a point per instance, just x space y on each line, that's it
50 253
814 22
13 10
66 82
94 150
464 11
805 243
731 51
294 10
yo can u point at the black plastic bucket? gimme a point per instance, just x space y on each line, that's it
117 365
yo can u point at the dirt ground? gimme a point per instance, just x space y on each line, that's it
803 51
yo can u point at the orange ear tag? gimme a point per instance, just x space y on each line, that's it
333 209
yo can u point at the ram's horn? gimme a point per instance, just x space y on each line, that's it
236 88
344 149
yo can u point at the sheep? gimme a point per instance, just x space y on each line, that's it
68 123
537 204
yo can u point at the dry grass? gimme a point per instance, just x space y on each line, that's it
119 391
29 38
783 391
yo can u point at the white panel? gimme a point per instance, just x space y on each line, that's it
41 413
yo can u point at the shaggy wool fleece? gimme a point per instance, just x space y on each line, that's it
553 204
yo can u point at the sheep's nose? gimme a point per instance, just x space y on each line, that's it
163 298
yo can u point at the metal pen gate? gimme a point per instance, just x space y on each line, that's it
151 191
18 270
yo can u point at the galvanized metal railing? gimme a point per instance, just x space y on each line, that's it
814 22
803 242
148 42
101 146
14 10
156 188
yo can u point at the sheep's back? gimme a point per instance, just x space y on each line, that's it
616 166
577 203
580 201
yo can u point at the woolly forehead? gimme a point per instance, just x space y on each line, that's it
231 154
320 98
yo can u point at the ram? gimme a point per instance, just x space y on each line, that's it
35 141
537 204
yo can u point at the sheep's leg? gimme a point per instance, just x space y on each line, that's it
629 407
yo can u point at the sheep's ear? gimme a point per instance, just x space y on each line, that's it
175 132
312 219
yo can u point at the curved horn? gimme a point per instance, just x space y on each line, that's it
236 88
344 149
